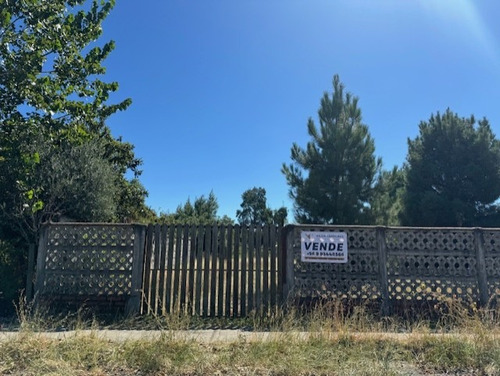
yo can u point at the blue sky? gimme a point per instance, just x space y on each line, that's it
222 88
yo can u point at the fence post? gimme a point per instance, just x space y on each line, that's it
40 262
482 277
287 263
29 274
134 301
384 284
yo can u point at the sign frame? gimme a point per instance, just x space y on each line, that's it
323 247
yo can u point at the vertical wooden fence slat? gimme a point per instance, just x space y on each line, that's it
192 259
177 268
220 265
213 277
147 271
287 277
211 270
207 244
244 245
170 262
265 268
258 268
199 269
154 272
162 270
281 275
184 271
229 274
251 255
272 241
236 267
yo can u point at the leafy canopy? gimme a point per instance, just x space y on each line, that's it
453 175
254 209
331 179
57 156
386 203
202 212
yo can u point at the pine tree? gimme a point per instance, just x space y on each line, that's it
453 175
331 180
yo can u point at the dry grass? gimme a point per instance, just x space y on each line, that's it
464 341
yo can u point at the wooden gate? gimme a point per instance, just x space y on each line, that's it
212 270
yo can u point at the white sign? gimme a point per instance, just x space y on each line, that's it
323 246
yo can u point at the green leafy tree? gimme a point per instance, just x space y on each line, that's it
453 175
331 179
386 204
53 110
254 209
280 216
202 212
57 156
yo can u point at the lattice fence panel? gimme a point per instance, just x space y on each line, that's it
491 241
428 264
356 279
88 260
437 240
492 260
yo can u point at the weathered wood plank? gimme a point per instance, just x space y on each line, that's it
207 244
176 268
146 301
170 262
236 268
265 267
192 259
258 268
229 272
162 269
251 269
243 273
220 267
213 275
281 273
184 268
273 247
156 265
199 269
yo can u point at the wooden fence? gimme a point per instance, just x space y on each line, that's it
233 270
211 270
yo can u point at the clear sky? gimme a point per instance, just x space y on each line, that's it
222 88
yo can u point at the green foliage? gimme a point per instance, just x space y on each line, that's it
453 177
338 162
57 156
202 212
254 209
387 198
